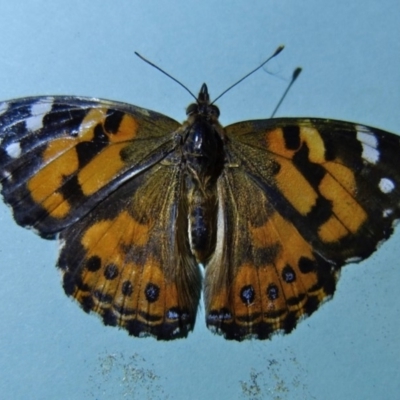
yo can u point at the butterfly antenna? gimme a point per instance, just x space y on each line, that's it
277 51
166 73
295 75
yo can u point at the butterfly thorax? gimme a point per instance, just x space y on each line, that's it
203 154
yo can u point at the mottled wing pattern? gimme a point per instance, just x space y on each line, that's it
62 160
298 199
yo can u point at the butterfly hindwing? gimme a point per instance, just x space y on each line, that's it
123 260
298 199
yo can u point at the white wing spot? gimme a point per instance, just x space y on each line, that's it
38 111
369 143
366 138
387 213
370 154
13 150
3 107
386 185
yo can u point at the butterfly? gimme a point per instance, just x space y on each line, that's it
271 209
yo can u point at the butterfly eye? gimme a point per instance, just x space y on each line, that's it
214 110
192 109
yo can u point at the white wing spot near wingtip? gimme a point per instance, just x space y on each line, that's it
369 143
3 107
38 111
13 150
387 213
364 135
386 185
369 154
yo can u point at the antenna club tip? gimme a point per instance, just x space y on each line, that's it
297 72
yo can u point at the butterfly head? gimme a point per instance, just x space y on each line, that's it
203 107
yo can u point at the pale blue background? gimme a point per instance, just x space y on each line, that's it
350 52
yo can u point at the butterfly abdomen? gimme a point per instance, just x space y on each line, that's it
203 154
202 224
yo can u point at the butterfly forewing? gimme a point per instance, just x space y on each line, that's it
60 156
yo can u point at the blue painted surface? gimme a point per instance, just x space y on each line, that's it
350 53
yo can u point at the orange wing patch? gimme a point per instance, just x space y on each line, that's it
291 183
61 161
309 136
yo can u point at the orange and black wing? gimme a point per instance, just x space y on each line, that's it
298 199
99 175
60 156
